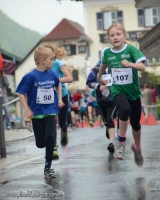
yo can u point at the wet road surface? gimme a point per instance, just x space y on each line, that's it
85 170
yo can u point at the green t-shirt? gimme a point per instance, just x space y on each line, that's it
113 59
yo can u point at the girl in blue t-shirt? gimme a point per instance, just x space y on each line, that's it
65 77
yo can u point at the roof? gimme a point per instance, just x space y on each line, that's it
66 29
9 67
10 62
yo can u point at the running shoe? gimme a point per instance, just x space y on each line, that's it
49 173
55 153
107 133
119 151
64 139
137 156
111 148
91 122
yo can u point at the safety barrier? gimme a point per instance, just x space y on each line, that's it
21 113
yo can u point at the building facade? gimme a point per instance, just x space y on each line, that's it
99 15
70 36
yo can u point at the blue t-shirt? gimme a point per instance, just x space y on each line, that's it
44 80
57 67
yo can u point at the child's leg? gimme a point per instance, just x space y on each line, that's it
89 109
73 118
136 130
110 123
38 128
63 115
77 117
50 135
123 106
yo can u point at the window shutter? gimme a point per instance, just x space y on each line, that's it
73 49
75 75
141 17
100 21
120 16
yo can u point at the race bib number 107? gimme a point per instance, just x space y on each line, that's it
45 96
122 76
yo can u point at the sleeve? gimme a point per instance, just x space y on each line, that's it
77 97
104 58
91 80
25 84
137 55
60 63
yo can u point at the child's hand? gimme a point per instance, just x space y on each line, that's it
60 104
29 113
102 81
125 63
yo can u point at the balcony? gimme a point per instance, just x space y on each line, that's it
150 42
146 3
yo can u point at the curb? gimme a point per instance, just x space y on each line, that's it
14 140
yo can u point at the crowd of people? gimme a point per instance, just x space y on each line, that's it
112 91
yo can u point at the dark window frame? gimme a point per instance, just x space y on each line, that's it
72 49
141 17
100 18
81 51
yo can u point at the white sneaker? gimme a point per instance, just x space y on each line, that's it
119 151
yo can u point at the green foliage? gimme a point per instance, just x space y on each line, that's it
16 39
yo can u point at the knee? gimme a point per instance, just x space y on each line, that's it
49 138
135 126
40 144
125 113
110 124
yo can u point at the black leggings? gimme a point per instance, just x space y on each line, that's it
62 116
129 109
106 111
45 134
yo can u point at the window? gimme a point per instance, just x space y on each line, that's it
100 21
82 49
75 75
105 19
71 49
147 17
103 38
153 61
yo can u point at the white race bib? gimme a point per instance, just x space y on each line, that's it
75 104
108 78
45 96
122 76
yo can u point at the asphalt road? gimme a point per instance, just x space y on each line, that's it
85 170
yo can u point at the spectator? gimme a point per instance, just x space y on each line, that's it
154 109
4 86
146 99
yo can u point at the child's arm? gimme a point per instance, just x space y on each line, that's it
28 111
138 66
80 105
67 76
92 97
59 93
101 70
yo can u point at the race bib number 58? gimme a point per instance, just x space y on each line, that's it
45 96
122 76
